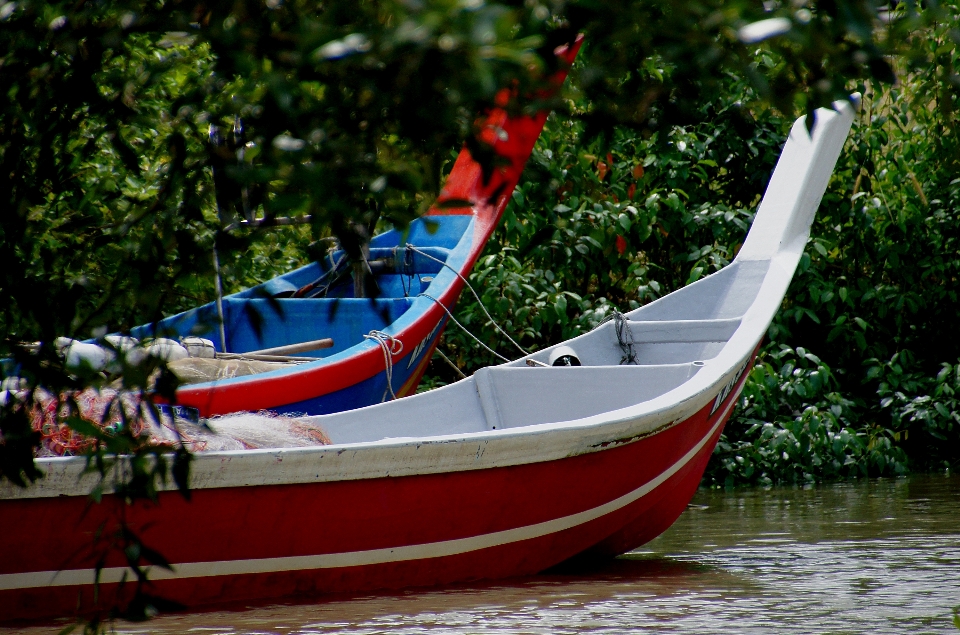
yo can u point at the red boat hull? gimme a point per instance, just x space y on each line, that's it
261 542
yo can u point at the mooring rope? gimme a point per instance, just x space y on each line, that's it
391 347
624 336
477 339
480 302
314 288
455 368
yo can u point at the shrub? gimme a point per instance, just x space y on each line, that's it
859 372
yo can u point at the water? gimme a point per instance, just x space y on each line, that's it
864 557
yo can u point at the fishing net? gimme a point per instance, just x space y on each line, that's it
247 431
109 410
195 370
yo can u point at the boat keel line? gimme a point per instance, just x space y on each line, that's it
74 577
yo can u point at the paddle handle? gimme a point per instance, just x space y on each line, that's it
293 349
286 359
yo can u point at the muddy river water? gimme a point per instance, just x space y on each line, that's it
874 556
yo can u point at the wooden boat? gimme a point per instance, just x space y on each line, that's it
420 273
509 472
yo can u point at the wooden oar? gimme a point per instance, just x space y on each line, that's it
293 349
265 358
282 353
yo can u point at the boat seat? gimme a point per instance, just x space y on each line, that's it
520 396
656 342
662 331
659 342
411 262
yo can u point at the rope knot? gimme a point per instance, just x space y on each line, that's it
624 336
391 347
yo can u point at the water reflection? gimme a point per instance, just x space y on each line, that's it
872 556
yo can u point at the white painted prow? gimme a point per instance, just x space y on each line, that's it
691 346
786 212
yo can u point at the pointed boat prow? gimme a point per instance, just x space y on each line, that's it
786 212
505 473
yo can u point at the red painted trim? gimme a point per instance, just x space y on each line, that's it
304 520
464 183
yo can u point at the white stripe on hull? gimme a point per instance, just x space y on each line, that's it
440 549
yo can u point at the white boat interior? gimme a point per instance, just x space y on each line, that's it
674 338
689 348
686 344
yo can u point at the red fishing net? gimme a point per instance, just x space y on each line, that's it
111 410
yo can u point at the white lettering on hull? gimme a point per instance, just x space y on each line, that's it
725 391
423 344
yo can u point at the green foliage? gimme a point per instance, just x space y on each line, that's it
342 112
113 199
793 425
820 45
598 225
102 195
109 203
348 108
875 295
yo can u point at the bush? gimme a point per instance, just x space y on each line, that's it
793 425
859 372
611 223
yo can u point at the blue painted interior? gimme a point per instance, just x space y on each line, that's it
288 321
255 320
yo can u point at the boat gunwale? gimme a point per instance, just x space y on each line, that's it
507 446
615 428
418 311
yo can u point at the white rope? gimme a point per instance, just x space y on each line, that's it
480 302
447 311
391 347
